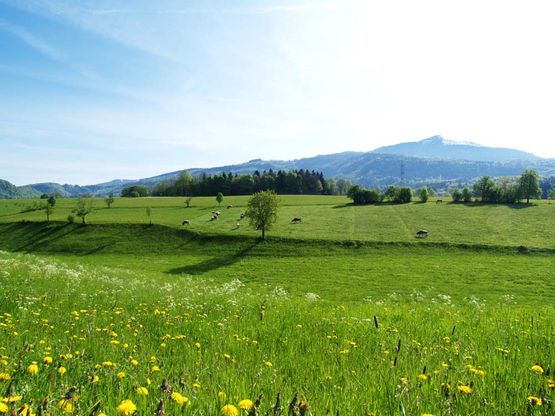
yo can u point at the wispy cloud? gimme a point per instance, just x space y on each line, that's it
34 41
276 8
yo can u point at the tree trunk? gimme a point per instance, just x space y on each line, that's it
82 220
263 233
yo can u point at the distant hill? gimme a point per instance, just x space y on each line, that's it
435 161
439 148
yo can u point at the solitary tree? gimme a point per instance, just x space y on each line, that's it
84 208
52 200
109 200
188 201
219 198
49 209
262 210
529 185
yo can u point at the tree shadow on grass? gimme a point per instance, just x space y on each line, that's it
37 235
214 263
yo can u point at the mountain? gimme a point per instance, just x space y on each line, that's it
437 147
435 162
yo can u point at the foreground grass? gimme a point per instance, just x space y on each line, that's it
328 218
110 332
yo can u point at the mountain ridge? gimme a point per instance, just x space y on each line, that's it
380 167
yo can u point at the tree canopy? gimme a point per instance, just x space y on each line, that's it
262 211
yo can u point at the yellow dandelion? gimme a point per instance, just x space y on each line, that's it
245 404
551 384
268 363
197 345
12 399
196 385
179 398
25 411
107 364
47 360
65 405
3 408
537 369
121 374
134 363
534 401
141 391
222 395
4 377
33 369
423 377
95 378
229 410
61 370
465 389
126 408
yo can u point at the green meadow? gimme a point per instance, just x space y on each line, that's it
347 308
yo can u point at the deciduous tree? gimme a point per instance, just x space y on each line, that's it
262 211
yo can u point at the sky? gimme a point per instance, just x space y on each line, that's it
95 90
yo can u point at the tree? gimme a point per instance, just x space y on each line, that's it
551 193
466 195
148 212
392 193
262 210
484 189
52 200
109 200
188 201
134 191
84 208
404 196
456 195
219 198
422 193
529 185
49 209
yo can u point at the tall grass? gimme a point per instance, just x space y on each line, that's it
114 331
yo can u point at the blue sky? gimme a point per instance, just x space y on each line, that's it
96 90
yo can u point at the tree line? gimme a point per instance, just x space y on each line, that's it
504 190
295 182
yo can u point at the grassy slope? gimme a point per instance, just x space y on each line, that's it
331 218
334 271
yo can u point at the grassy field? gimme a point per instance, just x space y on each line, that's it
359 316
328 218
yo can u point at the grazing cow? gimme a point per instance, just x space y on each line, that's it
439 201
421 234
296 220
229 206
242 215
238 225
185 222
214 217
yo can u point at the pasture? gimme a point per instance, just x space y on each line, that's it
347 308
327 218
